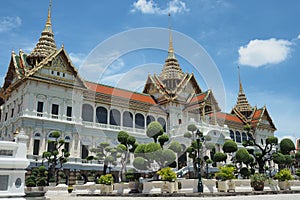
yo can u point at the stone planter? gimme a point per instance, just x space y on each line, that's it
169 187
79 182
133 186
52 184
106 189
226 186
284 185
222 186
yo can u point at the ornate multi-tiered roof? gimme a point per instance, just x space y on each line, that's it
46 44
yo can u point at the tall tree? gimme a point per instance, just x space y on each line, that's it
263 152
57 156
127 145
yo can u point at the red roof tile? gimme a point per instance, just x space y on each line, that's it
228 117
257 114
120 93
199 97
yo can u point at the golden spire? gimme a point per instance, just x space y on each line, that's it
171 74
242 104
46 44
240 82
48 26
171 49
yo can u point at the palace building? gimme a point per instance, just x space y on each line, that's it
43 92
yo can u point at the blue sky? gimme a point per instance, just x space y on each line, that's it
261 36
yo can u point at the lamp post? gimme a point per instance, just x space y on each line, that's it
199 139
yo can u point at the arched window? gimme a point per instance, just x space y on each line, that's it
150 119
87 113
139 121
127 119
36 144
162 121
262 141
244 137
238 137
101 115
232 135
115 117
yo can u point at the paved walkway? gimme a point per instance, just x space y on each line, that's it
66 196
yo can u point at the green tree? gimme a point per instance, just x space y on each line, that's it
58 156
264 152
220 157
230 146
106 154
163 139
154 130
286 145
127 145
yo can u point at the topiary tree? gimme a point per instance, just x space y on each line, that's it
286 145
154 130
106 154
264 152
127 145
57 156
163 139
230 146
220 157
152 153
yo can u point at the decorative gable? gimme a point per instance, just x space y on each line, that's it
59 68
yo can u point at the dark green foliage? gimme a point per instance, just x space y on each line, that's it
154 130
230 146
58 156
298 172
278 158
286 146
163 139
140 163
122 137
192 127
272 140
187 135
220 157
176 147
245 172
242 155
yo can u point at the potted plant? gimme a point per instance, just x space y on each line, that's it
79 180
257 181
283 177
91 176
224 177
169 177
30 182
52 181
106 183
70 189
62 178
132 176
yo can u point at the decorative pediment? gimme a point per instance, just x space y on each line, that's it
59 68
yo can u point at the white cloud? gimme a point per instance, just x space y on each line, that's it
298 37
9 23
77 58
262 52
150 7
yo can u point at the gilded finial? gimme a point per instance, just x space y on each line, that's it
240 81
171 49
48 26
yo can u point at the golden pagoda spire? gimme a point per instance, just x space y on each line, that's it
171 49
46 44
171 74
240 82
242 103
48 26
